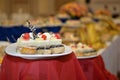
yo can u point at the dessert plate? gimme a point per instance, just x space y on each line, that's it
91 56
11 50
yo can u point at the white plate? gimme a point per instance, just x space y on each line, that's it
11 50
92 56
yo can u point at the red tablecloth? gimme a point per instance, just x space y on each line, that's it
94 69
60 68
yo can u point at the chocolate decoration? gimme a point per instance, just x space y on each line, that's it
32 28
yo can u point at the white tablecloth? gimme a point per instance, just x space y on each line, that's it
111 56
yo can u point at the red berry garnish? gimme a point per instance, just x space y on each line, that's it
26 36
82 46
44 37
57 36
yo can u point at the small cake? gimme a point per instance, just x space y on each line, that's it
28 50
43 43
82 50
85 49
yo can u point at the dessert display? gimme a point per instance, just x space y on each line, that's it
50 21
96 30
42 43
81 50
73 9
94 33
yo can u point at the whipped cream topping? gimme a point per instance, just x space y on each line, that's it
42 39
81 48
26 37
84 48
48 36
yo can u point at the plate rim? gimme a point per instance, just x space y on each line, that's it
36 56
99 52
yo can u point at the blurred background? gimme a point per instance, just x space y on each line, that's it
92 22
49 7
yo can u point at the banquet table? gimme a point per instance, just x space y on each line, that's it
60 68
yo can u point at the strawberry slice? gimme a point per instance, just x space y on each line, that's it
57 36
26 36
44 37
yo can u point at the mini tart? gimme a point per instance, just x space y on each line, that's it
27 50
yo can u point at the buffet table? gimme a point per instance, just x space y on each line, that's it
59 68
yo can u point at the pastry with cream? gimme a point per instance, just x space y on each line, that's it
43 43
82 50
